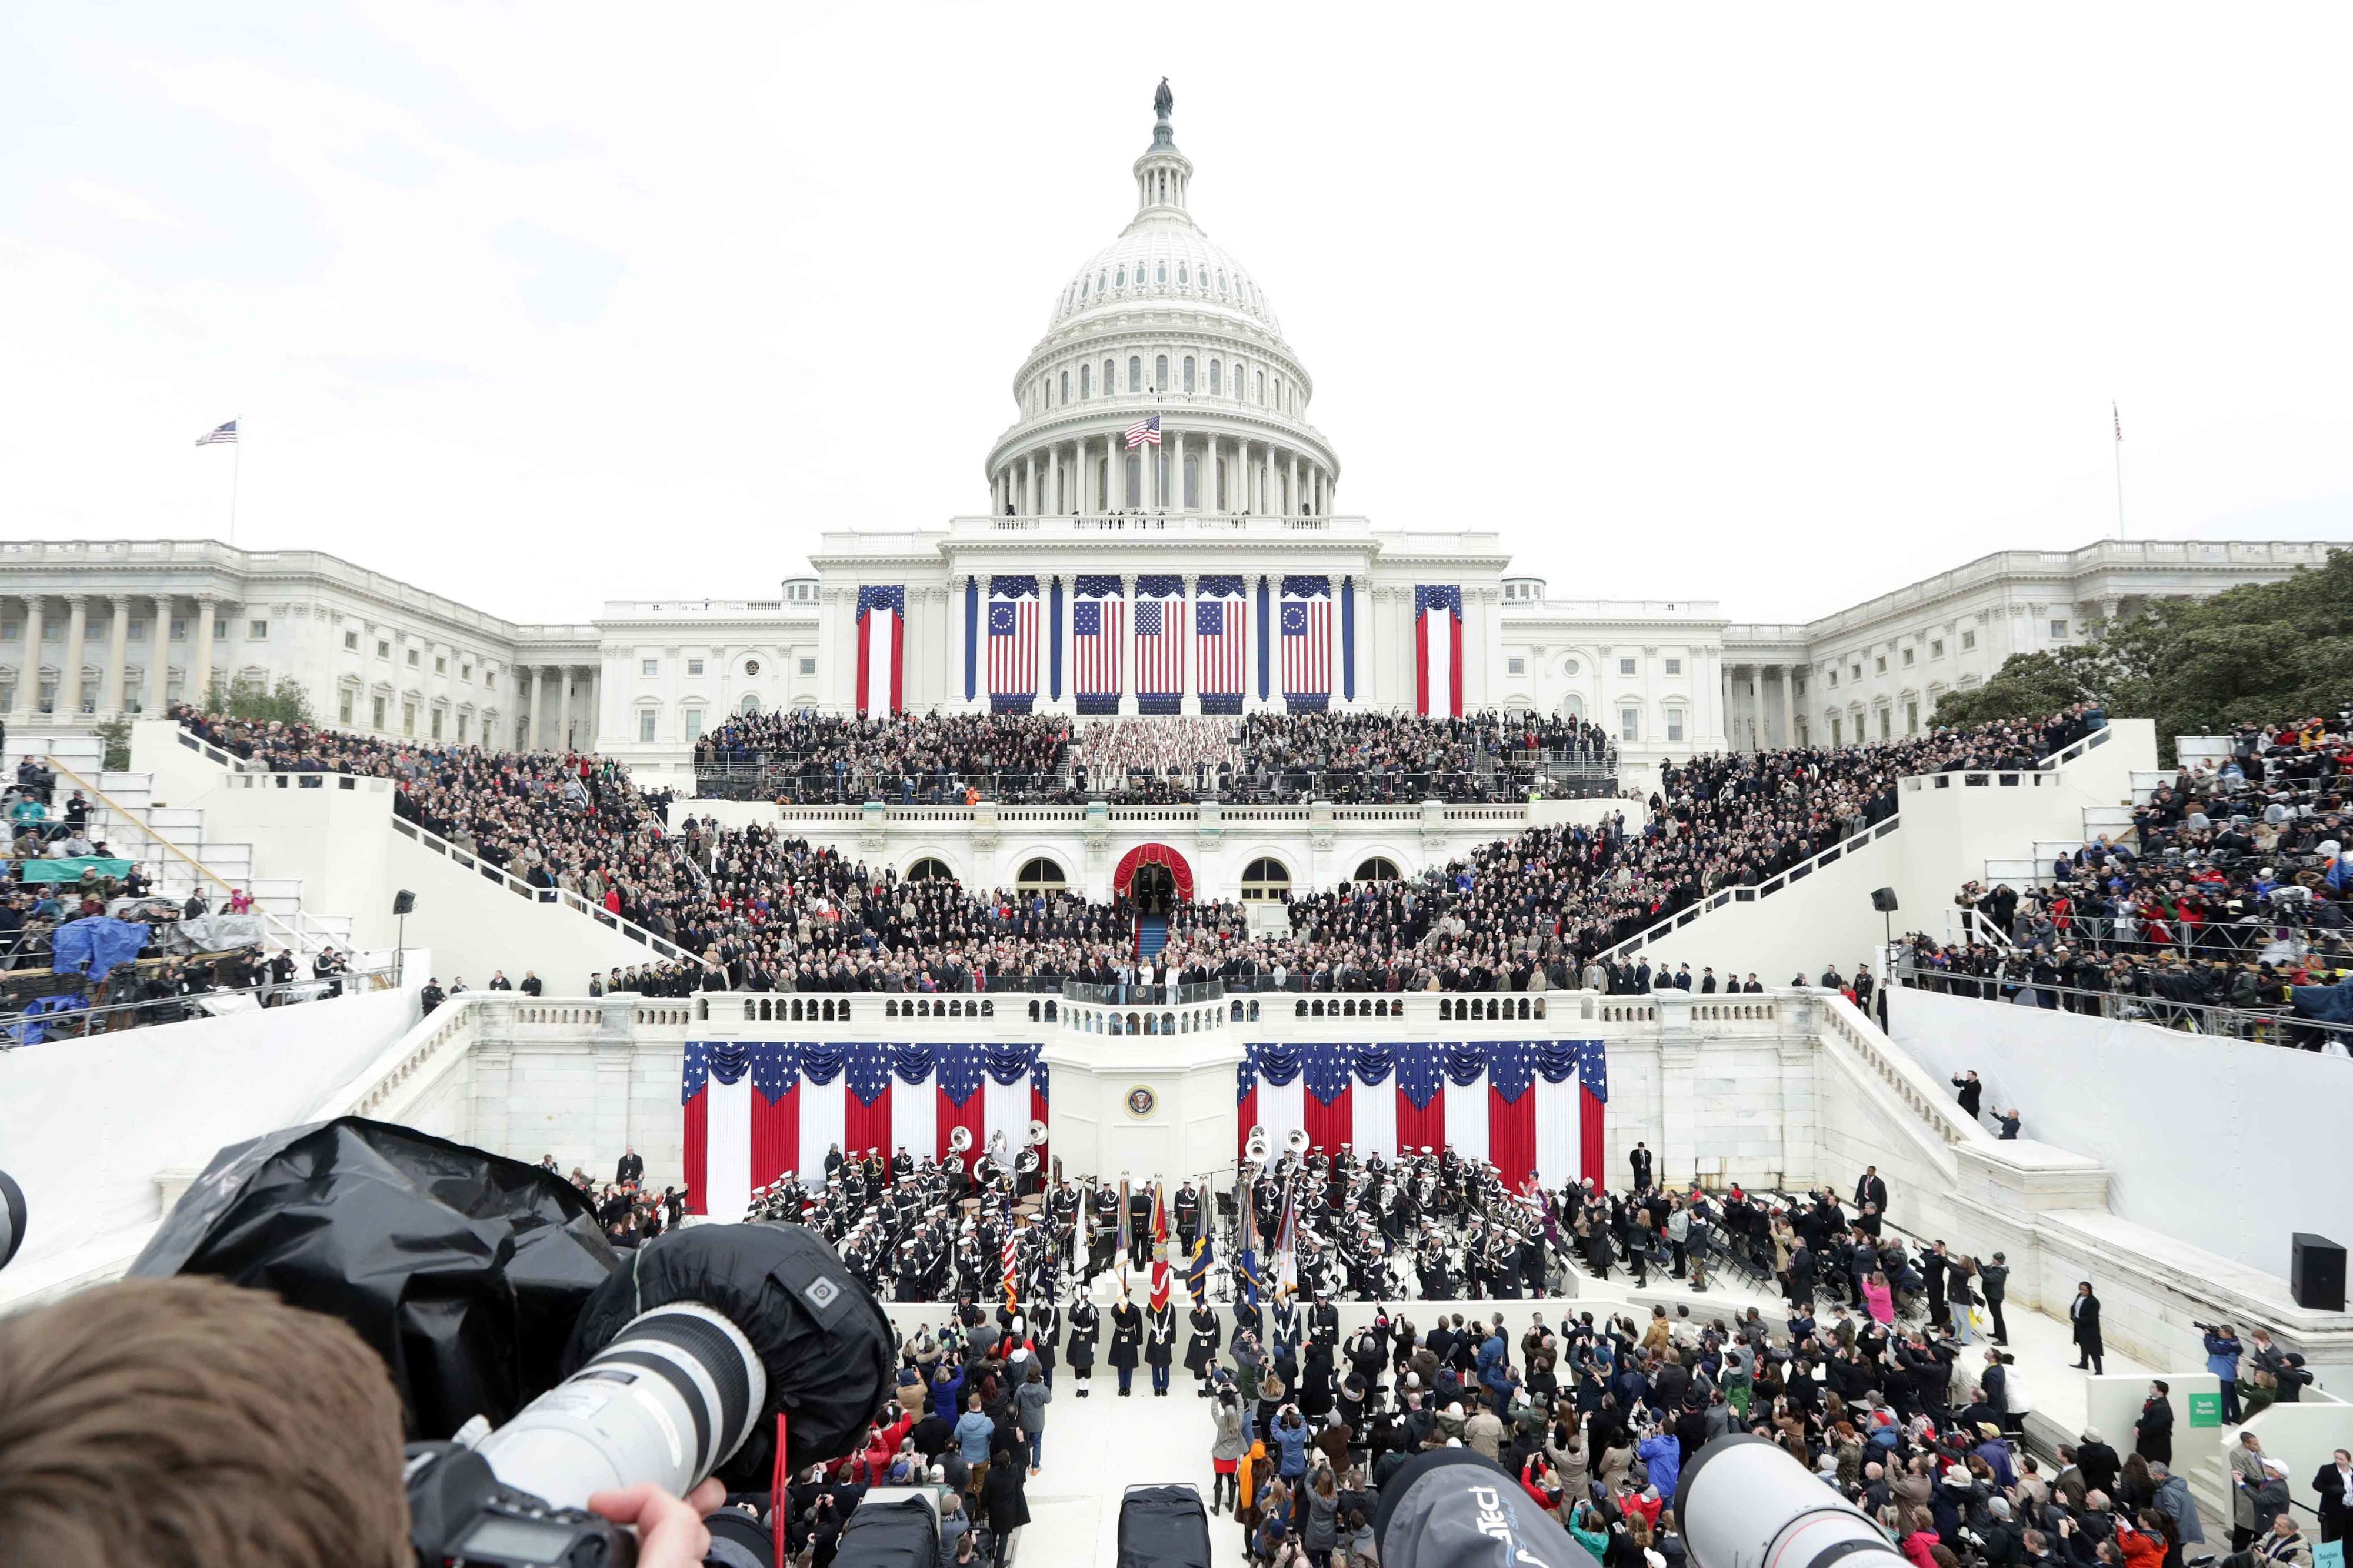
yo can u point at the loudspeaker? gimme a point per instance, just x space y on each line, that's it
2315 1276
402 901
1882 900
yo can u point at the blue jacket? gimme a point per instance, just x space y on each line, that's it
1293 1441
973 1431
2222 1357
1491 1355
1664 1457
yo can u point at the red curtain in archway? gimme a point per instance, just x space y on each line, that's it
1153 855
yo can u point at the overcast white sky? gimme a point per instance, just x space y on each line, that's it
539 305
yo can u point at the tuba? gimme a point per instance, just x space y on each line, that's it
959 1139
1256 1150
1295 1141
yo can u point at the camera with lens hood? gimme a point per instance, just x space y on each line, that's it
746 1351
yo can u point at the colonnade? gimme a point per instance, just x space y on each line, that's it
1763 716
1088 476
48 661
558 707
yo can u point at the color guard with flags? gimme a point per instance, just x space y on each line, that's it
1197 1270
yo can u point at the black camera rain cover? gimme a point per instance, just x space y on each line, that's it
823 1340
464 1269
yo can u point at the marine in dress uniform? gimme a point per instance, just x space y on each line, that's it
1086 1326
1201 1350
1126 1339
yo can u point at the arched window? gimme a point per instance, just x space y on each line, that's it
1213 390
1041 875
930 869
1222 280
1379 868
1119 282
1264 879
1188 376
1160 273
1160 371
1572 706
750 703
1135 373
1086 381
1066 387
1257 381
1099 282
1181 275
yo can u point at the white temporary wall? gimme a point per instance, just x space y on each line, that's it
2227 1145
87 1125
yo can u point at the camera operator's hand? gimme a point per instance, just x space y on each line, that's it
671 1531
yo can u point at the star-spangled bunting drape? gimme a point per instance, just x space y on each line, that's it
1159 643
755 1110
1437 649
1306 636
1013 643
1525 1106
881 649
1098 633
1220 639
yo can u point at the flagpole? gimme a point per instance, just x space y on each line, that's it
236 472
2120 467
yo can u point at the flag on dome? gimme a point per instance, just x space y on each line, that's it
1523 1106
1221 635
1144 433
1159 643
1098 619
226 436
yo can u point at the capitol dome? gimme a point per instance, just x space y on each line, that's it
1161 323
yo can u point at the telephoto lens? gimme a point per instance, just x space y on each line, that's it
1745 1503
668 1401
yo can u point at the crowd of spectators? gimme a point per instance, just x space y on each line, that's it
935 759
2231 892
764 910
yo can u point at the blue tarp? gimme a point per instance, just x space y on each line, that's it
33 1026
2329 1004
96 945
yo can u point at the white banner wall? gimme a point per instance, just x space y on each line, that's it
1559 1130
1466 1117
1006 1114
823 1124
727 1177
1373 1118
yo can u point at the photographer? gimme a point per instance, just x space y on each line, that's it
172 1423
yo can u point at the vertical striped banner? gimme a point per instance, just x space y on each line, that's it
1012 643
1159 643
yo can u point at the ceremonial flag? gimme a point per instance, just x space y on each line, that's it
1126 1235
756 1109
1160 1281
1159 643
1438 651
1247 1279
881 649
1197 1271
1012 644
1220 633
1144 433
1246 1265
1098 627
1159 1214
223 435
1525 1106
1006 1254
1306 635
1286 1240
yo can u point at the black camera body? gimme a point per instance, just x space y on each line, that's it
459 1512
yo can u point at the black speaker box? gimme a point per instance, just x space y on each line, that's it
1883 900
2316 1276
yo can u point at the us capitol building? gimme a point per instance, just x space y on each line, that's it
1162 532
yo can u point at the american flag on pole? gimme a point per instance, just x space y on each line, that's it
1006 1255
226 436
1012 643
2112 414
1220 639
1144 433
1159 643
1098 622
1306 630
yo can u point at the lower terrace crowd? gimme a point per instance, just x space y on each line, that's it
1030 759
768 911
1875 1360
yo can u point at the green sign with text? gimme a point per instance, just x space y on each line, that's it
2205 1409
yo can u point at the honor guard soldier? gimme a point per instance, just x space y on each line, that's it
1187 1206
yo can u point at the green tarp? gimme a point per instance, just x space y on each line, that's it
70 870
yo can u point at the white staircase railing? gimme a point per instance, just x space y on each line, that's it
1748 895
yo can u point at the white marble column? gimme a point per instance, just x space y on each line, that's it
956 581
562 674
118 650
1128 703
1176 473
28 679
159 659
1789 705
1054 503
200 669
69 661
1190 656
